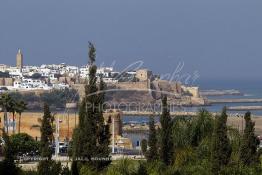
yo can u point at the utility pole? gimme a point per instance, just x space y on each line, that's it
68 125
113 135
57 137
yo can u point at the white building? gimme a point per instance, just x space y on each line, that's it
3 67
31 84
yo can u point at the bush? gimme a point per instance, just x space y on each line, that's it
23 143
86 170
123 167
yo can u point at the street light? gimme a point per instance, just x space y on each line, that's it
57 136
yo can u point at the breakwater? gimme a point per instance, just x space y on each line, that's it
243 100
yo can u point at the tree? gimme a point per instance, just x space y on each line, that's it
20 108
144 146
36 76
152 141
249 144
221 148
103 130
12 108
166 144
91 53
46 165
202 126
5 103
92 137
23 143
8 166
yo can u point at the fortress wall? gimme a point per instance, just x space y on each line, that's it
9 82
131 85
117 122
143 85
2 81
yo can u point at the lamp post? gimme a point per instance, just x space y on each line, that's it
113 134
57 137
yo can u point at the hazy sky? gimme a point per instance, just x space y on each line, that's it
217 38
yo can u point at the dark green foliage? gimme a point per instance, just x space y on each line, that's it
51 167
221 148
29 173
21 106
92 53
102 130
123 167
46 165
36 76
12 109
141 169
4 74
250 143
46 134
74 168
55 98
92 137
152 153
23 143
144 146
181 133
29 97
6 102
59 98
166 144
8 167
201 127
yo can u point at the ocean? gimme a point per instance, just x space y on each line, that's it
250 89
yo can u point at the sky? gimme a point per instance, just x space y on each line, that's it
215 39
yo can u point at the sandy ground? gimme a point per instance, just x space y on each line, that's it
239 122
30 123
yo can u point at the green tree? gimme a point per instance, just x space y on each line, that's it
152 153
166 141
144 147
23 143
12 109
249 144
91 138
221 148
103 130
201 127
8 166
20 108
46 165
5 103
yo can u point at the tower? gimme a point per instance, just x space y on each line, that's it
19 59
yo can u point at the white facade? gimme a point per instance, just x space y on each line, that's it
31 84
52 72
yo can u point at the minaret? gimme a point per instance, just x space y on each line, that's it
19 59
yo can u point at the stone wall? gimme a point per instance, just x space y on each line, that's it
144 75
6 81
2 81
117 122
142 85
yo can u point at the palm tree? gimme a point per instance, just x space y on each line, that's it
12 109
5 102
21 106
